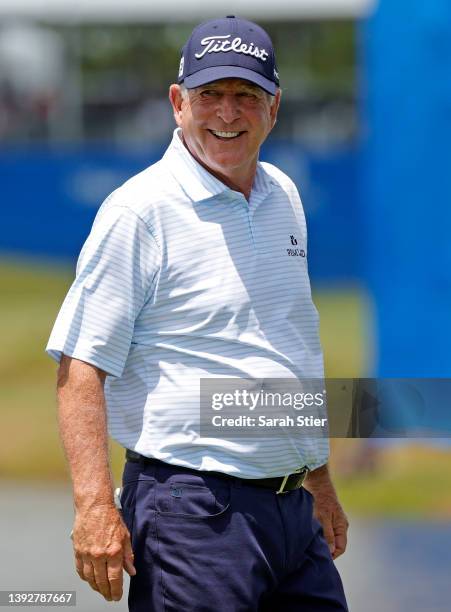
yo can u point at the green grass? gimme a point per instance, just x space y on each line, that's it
409 482
30 297
343 329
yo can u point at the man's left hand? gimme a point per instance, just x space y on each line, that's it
327 510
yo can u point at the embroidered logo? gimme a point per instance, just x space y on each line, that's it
295 252
223 44
182 63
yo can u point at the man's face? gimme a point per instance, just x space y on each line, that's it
225 122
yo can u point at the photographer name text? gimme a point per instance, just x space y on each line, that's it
264 421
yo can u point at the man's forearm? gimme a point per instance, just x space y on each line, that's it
83 429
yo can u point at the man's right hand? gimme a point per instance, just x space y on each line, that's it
102 549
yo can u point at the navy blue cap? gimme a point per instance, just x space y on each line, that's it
229 48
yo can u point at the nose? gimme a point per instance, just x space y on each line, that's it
228 108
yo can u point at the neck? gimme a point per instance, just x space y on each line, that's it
239 179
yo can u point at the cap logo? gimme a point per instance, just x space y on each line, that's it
223 44
182 63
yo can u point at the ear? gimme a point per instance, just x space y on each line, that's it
275 107
176 99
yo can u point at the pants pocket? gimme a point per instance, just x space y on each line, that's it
192 501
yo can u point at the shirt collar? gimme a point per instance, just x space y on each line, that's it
197 182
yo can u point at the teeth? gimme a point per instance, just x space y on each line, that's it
225 134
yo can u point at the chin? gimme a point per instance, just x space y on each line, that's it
224 162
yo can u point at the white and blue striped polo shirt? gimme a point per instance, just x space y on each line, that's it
182 279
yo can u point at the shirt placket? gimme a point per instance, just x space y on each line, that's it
259 244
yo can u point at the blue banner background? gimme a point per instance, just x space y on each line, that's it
50 197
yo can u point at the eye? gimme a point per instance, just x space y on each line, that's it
249 97
209 93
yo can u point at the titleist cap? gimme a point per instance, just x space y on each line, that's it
229 48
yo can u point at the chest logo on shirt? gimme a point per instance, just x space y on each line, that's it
295 252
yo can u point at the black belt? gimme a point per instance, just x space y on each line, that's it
279 484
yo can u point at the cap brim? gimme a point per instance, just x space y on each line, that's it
208 75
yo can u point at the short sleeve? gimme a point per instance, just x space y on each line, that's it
115 276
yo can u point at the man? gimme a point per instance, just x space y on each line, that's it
189 273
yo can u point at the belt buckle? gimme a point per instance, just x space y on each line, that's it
302 473
281 488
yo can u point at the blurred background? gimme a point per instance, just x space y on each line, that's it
364 130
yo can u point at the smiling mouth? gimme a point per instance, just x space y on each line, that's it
225 135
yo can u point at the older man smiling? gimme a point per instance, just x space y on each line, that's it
223 126
189 274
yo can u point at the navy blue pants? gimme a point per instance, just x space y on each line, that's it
204 543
